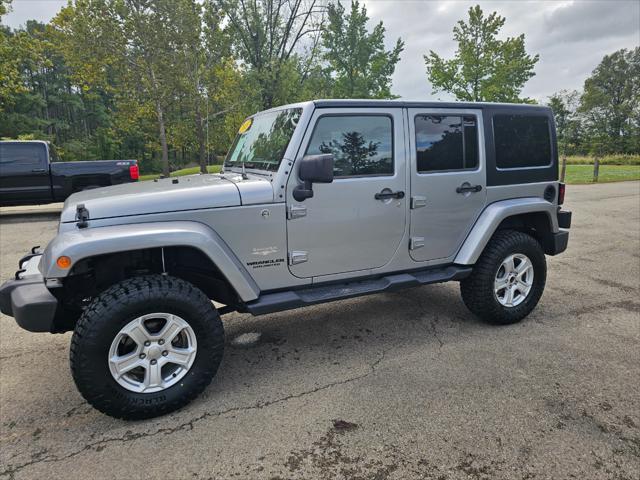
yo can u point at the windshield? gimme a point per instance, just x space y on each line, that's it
263 139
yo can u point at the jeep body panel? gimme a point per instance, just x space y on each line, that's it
441 217
324 232
264 242
344 227
188 193
491 218
264 256
90 242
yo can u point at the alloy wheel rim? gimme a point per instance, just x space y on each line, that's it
152 352
514 280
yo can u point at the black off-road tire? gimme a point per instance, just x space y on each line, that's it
478 289
113 309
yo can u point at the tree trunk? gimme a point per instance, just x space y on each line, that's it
163 140
161 126
201 139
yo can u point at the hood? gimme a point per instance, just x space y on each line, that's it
169 195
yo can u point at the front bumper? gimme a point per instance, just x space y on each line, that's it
27 299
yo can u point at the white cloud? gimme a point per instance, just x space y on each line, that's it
570 36
23 10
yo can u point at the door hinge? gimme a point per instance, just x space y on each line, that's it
416 242
297 257
418 201
296 211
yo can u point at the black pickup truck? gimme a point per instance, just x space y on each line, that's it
30 175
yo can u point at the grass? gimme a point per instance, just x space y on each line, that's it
180 173
619 159
577 174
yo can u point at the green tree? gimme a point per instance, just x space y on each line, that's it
11 53
611 103
565 104
352 154
357 59
484 68
267 37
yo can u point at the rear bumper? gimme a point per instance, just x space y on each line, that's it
557 243
28 300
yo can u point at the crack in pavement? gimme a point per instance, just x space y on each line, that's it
99 445
419 309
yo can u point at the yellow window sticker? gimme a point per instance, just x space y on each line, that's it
246 125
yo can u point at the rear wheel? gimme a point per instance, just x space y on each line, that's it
146 346
508 279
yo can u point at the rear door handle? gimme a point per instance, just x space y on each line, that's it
38 170
385 195
465 187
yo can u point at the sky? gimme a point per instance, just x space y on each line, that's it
571 37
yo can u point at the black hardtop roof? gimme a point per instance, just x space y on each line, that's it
362 103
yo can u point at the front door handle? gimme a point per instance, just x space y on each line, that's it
465 187
38 170
384 195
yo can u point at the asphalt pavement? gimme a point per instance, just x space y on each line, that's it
399 385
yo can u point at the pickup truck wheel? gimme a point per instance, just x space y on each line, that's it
508 279
146 346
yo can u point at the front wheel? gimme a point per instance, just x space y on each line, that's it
508 279
146 346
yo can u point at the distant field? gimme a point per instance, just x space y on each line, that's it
608 173
184 171
605 160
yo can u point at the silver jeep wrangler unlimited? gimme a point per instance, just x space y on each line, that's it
318 201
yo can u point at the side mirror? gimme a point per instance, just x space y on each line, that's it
313 169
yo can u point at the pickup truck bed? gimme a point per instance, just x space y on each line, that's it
28 176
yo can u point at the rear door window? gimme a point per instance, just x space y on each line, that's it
446 142
522 141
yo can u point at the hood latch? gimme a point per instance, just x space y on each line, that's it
82 216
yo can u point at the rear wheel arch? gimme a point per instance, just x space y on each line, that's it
533 216
536 224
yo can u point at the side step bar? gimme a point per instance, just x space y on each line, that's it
287 300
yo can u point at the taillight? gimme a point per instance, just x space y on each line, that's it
561 188
134 173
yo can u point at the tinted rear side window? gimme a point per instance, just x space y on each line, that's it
522 141
361 145
446 142
21 153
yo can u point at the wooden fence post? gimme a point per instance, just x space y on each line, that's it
564 167
596 169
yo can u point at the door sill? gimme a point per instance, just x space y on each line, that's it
287 300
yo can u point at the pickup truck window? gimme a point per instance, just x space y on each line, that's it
21 154
263 139
361 145
446 142
522 141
